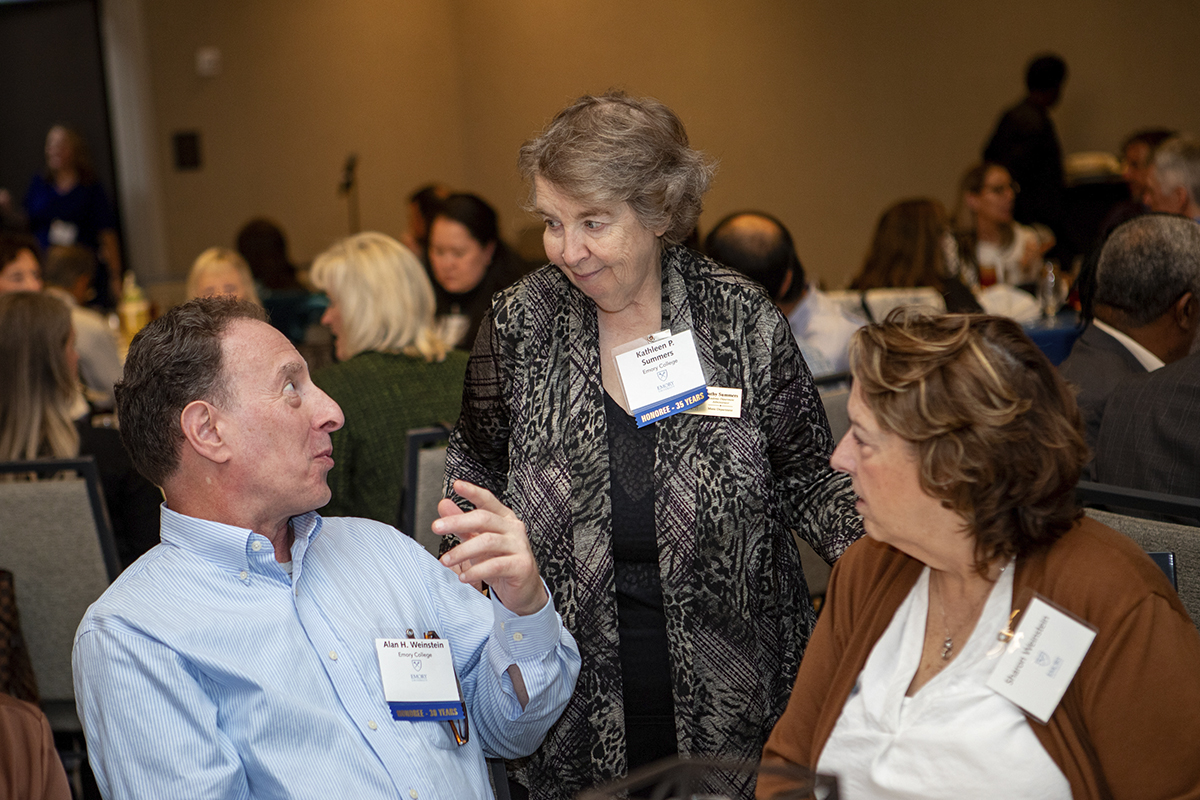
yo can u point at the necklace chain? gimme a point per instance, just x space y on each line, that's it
948 642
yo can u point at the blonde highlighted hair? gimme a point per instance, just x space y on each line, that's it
215 258
998 434
384 296
38 387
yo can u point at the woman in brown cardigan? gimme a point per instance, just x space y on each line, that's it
964 449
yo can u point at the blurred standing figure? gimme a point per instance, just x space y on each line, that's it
394 373
20 263
470 263
67 205
1025 143
760 247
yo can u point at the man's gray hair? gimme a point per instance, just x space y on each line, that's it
1177 162
1147 264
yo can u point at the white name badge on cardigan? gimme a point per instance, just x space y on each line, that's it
660 375
1041 658
418 679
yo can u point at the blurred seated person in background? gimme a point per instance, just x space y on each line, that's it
221 271
469 262
291 306
1146 307
20 263
422 207
67 205
394 374
68 276
30 768
39 363
992 248
1173 185
965 447
913 247
242 657
1137 154
760 246
264 247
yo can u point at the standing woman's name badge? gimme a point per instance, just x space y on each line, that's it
418 679
661 376
1041 658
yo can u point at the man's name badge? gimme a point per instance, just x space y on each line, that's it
418 679
661 376
1041 659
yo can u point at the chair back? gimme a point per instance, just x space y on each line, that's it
424 473
1155 536
1139 503
56 540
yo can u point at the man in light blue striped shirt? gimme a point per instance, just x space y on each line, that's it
237 659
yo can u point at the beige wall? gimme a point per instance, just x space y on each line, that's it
821 112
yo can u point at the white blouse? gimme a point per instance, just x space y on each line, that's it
956 737
1007 260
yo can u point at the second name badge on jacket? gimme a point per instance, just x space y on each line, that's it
660 375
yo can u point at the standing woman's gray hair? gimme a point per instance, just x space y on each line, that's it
620 149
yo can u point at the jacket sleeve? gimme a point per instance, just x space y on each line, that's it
818 502
478 449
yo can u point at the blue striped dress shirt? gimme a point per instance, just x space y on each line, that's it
207 671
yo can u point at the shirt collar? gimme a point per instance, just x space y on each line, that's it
228 546
1147 359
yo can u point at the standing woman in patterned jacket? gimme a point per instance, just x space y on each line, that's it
668 547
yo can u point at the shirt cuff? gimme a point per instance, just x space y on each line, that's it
524 638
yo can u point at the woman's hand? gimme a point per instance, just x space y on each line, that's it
494 549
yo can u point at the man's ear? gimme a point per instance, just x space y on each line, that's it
1186 311
199 423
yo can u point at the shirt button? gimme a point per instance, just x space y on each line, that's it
518 636
371 724
243 574
413 794
333 655
256 546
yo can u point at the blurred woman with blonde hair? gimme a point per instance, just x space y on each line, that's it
221 271
394 371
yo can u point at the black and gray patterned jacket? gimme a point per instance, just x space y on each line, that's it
728 494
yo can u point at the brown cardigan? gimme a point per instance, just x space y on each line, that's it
29 765
1129 724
